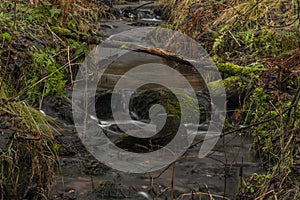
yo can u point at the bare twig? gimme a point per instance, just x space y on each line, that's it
55 35
225 167
70 67
172 182
263 195
42 98
203 193
295 102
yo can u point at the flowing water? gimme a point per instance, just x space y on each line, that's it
220 173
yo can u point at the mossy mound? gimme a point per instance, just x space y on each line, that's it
177 106
275 141
144 99
38 56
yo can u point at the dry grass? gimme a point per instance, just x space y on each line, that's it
28 152
238 31
270 13
195 18
267 12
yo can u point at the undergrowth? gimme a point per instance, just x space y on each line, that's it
28 152
251 33
36 63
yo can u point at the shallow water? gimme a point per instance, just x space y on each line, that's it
229 162
220 173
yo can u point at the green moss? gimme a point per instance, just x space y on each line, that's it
232 69
60 30
244 43
176 103
6 36
232 84
64 32
77 47
215 86
173 107
44 63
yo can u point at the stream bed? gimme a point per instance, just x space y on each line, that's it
83 177
220 173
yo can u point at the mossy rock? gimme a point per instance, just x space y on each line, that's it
140 104
143 101
235 88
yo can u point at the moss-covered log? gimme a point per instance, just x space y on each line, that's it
233 70
82 37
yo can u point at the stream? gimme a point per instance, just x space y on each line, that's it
83 177
220 173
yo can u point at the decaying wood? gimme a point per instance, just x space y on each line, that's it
150 50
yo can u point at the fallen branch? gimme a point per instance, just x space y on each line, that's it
82 37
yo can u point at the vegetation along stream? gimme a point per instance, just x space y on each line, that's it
255 46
